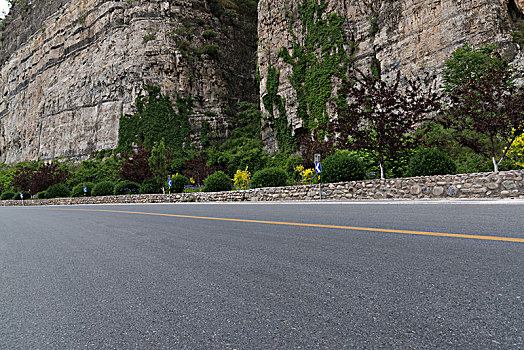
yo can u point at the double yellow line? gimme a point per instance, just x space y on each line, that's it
297 224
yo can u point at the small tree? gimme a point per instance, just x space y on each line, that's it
23 176
35 177
484 106
6 177
158 162
316 142
381 116
47 175
197 168
136 167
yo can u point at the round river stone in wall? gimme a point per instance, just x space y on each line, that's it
437 190
452 191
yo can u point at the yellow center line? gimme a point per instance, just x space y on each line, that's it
350 228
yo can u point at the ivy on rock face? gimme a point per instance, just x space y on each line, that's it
272 99
154 120
321 55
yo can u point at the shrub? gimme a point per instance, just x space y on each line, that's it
104 188
177 165
150 186
179 182
78 190
58 191
342 166
126 187
211 50
7 196
17 197
96 171
41 195
288 163
217 182
469 162
269 177
209 34
431 161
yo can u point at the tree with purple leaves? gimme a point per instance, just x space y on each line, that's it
380 116
35 177
135 167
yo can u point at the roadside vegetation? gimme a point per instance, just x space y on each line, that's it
384 129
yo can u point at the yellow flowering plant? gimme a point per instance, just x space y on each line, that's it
516 151
307 175
242 178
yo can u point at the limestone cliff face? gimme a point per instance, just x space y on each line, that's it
406 35
70 69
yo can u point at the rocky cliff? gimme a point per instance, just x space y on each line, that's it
405 35
70 69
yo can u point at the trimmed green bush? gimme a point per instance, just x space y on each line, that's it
269 177
104 188
179 181
57 191
127 187
41 195
7 196
217 182
430 161
17 197
286 162
342 166
78 190
150 186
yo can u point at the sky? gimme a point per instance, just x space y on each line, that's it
3 8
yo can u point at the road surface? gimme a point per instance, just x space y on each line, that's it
392 275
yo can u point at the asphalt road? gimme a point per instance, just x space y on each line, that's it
91 279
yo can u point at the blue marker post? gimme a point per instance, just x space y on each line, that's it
22 197
318 170
85 190
169 184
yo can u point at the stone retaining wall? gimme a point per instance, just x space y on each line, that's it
482 185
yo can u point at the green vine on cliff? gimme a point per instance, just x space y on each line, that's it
155 120
271 100
322 55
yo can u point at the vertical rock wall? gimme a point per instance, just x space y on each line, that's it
64 85
407 35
